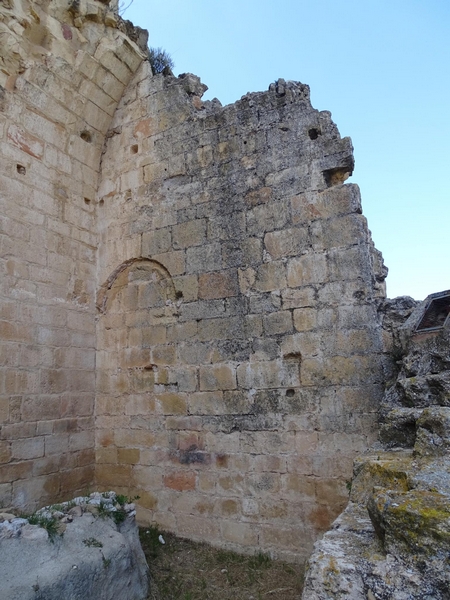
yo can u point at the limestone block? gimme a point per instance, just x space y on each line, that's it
25 141
288 242
204 258
171 404
242 533
220 329
307 269
207 403
270 276
218 285
305 319
190 233
187 286
269 374
180 481
217 377
174 262
267 217
156 242
278 322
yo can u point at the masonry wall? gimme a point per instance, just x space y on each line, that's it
62 73
188 292
239 359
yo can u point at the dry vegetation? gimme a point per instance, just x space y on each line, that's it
185 570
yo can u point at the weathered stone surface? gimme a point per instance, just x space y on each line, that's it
204 296
403 551
416 522
93 558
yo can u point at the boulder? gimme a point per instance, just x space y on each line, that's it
96 557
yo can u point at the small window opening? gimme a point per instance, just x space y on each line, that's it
21 170
134 149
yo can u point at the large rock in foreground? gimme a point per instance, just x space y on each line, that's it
94 558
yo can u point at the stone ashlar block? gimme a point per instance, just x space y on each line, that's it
268 217
26 142
217 377
221 329
306 270
300 487
244 534
305 319
269 374
180 481
156 242
110 476
186 287
278 323
206 403
185 378
188 234
204 258
129 456
288 242
173 261
15 471
269 277
5 452
171 404
218 285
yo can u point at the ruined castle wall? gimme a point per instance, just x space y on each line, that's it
61 75
197 279
239 352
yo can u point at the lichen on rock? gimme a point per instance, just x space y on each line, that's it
393 539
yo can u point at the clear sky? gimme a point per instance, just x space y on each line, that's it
382 67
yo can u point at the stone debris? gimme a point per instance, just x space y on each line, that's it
93 556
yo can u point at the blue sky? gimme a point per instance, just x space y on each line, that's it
382 67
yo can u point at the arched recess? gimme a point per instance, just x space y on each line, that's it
137 308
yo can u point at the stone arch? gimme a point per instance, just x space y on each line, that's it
137 307
123 275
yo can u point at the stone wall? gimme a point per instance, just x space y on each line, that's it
239 351
61 75
196 278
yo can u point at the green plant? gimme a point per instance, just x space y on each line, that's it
119 515
106 562
122 499
48 523
348 485
160 61
103 510
92 543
